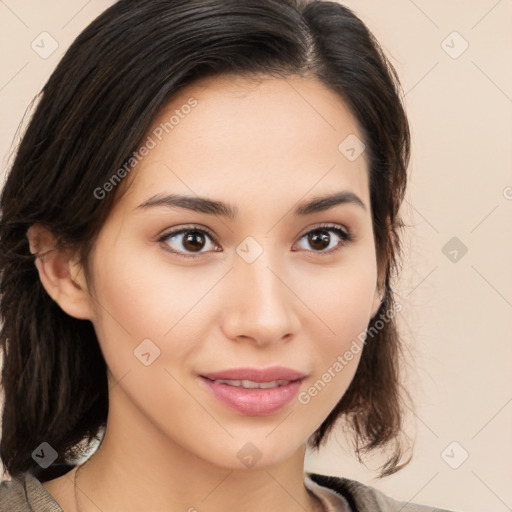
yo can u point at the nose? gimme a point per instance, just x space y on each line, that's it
261 306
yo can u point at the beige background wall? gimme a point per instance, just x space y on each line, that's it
458 306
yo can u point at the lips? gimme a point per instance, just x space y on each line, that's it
253 391
274 373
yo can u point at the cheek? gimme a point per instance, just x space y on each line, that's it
145 327
342 306
146 305
141 294
341 298
351 303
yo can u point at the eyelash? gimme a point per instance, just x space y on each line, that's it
346 236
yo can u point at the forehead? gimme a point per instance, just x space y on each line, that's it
266 135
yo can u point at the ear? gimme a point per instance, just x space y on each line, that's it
60 273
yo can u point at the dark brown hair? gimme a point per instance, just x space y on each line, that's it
92 115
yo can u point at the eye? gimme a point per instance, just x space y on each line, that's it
322 241
195 240
198 240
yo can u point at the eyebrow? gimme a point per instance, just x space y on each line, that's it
221 209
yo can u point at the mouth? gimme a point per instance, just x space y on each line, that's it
254 392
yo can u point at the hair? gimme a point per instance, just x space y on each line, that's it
91 116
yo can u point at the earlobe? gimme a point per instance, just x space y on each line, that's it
60 273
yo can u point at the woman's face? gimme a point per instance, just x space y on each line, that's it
186 287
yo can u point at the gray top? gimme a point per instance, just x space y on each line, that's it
26 494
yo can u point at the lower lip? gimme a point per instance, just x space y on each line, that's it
254 402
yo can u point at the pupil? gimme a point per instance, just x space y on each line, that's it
194 240
321 238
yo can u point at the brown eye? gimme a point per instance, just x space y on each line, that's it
194 241
187 241
319 240
322 241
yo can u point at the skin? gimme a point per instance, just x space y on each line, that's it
264 147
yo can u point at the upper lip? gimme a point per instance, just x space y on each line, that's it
256 374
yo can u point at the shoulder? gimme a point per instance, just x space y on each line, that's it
24 493
12 495
362 497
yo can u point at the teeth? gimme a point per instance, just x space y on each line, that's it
249 384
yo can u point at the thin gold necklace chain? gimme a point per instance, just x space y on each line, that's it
75 481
